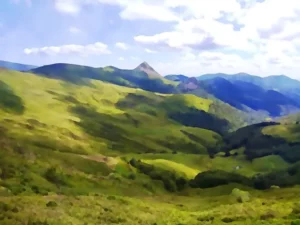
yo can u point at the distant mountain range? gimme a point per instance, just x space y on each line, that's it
257 97
274 95
280 83
16 66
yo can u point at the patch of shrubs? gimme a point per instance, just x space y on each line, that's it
132 176
9 101
4 207
233 219
258 145
37 222
51 204
268 215
206 218
170 180
296 222
283 178
216 178
55 177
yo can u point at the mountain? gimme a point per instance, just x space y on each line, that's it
221 109
243 95
274 95
281 83
177 78
239 76
146 68
144 76
15 66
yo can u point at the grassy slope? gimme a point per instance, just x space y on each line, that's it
214 206
191 164
69 127
49 101
52 130
290 132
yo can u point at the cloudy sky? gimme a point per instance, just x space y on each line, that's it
190 37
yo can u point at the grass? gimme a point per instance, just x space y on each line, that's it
189 164
215 206
180 169
290 132
48 101
270 163
64 159
82 130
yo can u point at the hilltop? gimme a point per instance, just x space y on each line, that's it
16 66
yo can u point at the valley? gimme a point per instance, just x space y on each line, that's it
84 145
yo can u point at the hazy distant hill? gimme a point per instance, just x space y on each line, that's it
280 83
177 78
15 66
242 92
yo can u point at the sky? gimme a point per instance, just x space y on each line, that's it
190 37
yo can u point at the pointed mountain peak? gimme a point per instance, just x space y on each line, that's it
145 67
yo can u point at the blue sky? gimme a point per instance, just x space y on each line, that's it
189 37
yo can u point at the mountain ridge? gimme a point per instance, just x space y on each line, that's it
16 66
140 77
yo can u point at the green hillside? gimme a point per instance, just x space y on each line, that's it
107 154
53 123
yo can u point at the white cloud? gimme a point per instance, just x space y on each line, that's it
265 34
175 39
150 51
203 8
97 48
131 10
121 45
74 30
121 59
68 6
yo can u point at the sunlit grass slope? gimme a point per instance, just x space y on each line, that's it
56 135
290 132
188 165
215 206
61 107
65 152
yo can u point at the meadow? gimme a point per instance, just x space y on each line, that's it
99 153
